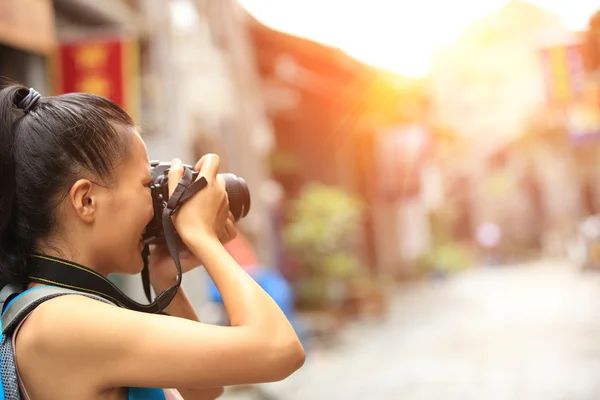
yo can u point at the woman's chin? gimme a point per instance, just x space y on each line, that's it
134 267
138 266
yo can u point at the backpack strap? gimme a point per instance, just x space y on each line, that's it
20 305
7 293
24 303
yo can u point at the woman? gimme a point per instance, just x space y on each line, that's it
74 177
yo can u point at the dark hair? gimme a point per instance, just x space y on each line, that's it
43 152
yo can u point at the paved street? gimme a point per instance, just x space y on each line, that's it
529 332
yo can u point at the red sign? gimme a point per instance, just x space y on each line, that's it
563 73
100 66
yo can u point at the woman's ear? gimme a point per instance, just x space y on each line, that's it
83 201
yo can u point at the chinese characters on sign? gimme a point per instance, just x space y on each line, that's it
563 73
570 91
92 62
104 67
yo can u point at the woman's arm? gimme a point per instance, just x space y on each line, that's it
150 350
182 308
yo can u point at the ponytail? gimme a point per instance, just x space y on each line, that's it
13 252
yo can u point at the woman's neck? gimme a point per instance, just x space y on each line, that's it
68 254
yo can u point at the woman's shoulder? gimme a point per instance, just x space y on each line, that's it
71 336
70 322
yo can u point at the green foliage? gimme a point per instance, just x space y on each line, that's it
281 162
322 235
324 229
447 258
446 255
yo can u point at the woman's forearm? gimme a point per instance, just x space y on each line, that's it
246 302
181 307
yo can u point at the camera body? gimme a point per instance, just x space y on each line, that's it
237 193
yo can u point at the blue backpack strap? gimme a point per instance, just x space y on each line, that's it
7 293
14 312
22 305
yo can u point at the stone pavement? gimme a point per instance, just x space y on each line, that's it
508 333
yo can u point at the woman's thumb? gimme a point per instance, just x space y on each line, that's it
175 174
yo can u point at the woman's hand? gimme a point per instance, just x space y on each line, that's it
161 264
206 214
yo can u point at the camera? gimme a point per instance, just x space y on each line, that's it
236 187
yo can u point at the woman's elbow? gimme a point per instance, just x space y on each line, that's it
291 357
217 392
299 356
210 393
276 357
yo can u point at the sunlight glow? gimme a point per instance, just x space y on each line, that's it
397 35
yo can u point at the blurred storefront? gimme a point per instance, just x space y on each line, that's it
27 37
104 65
511 99
35 36
573 101
309 89
408 188
97 51
334 120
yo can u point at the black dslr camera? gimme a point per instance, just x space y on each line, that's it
237 192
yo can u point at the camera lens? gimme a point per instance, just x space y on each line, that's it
238 194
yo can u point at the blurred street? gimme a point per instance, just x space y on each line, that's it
385 166
527 332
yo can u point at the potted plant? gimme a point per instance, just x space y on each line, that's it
322 235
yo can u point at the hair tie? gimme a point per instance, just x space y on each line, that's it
28 102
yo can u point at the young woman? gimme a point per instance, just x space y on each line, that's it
74 177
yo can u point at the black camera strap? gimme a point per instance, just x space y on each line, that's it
66 274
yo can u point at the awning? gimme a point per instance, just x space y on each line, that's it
28 25
95 13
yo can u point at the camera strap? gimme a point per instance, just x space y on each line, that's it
183 192
69 275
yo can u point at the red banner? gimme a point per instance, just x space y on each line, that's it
564 73
106 67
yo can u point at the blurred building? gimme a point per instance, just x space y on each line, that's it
337 122
313 96
27 38
486 86
490 89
